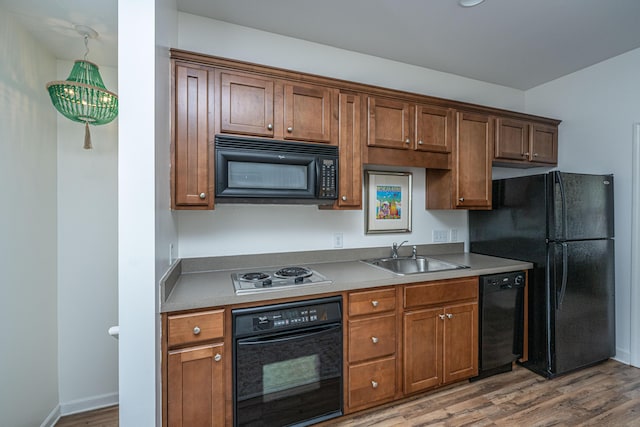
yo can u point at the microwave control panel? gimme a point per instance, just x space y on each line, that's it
328 178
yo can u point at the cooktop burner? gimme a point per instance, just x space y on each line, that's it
276 278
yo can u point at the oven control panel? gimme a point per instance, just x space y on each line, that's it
285 316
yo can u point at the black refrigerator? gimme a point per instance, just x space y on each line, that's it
563 224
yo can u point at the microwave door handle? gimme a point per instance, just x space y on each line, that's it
318 177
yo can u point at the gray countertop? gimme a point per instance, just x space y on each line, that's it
206 282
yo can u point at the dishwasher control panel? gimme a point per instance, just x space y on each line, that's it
499 281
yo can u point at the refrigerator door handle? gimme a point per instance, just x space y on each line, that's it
564 204
565 267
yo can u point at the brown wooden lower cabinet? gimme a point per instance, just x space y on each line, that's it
399 340
371 383
195 386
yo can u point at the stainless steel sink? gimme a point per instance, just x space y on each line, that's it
411 265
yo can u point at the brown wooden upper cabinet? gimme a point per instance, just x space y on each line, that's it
274 108
434 128
473 155
524 143
389 123
246 104
191 186
307 112
350 145
406 126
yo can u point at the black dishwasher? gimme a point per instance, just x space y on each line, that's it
501 322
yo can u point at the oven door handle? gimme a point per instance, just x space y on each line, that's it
288 337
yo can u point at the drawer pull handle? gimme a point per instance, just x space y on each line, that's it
441 316
449 316
374 303
374 340
196 330
217 357
374 384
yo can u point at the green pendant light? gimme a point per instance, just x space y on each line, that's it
83 97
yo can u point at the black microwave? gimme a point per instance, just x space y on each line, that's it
251 170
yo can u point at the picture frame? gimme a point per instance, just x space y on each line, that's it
388 202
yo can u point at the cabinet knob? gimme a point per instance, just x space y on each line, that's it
203 195
374 384
525 155
449 316
374 303
420 142
344 198
196 330
374 340
217 357
535 154
270 126
441 316
407 141
289 129
461 199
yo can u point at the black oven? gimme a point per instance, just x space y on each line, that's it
288 363
250 170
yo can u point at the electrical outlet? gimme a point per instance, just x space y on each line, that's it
337 240
454 235
440 236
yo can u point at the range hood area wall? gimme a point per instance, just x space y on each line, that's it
234 229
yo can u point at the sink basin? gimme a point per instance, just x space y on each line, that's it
410 265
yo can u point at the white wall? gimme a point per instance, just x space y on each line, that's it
145 220
234 229
598 106
87 259
29 332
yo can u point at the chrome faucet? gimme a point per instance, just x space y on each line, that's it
395 247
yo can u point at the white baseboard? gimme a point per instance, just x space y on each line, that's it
53 418
88 404
80 405
622 356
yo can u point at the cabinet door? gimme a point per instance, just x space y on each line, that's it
350 146
191 145
473 154
434 127
460 350
544 143
389 123
246 104
307 112
512 139
195 388
422 349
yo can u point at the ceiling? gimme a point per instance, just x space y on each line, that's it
514 43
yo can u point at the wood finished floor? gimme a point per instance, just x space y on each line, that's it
604 395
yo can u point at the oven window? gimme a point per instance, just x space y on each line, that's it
290 375
267 176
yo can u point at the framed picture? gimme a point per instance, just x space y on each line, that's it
388 202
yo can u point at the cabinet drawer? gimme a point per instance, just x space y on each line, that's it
441 292
195 327
372 337
370 302
372 382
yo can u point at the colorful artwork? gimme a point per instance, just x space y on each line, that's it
388 202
